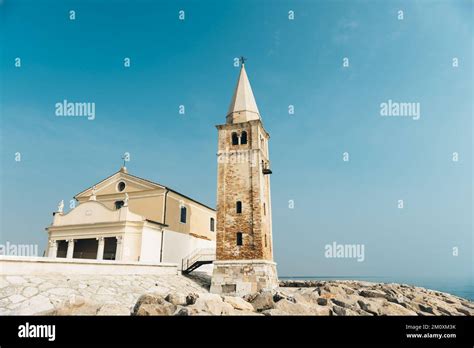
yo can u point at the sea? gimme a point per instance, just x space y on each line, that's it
460 287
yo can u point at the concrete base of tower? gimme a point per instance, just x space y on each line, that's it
242 277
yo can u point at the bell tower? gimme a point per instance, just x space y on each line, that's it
244 250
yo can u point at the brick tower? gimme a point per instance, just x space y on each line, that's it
244 253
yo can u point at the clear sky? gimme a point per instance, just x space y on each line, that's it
290 62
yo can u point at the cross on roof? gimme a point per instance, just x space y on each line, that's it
242 60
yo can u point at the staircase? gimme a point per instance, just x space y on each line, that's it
196 259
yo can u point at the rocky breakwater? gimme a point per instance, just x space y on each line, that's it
337 298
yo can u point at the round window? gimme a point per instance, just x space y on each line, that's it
121 186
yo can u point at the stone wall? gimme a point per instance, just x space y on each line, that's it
239 278
19 265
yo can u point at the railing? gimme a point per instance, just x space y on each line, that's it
200 255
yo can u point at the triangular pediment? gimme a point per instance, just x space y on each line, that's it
111 185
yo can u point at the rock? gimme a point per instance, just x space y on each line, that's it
113 309
322 301
372 293
339 303
177 299
212 304
16 280
76 300
424 308
291 308
191 298
390 308
463 311
272 312
339 310
153 304
30 291
368 307
239 303
263 301
35 305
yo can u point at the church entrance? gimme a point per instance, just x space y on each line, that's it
110 248
86 248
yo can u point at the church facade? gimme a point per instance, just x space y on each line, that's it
128 219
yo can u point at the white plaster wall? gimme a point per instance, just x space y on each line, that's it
150 245
131 246
18 265
177 246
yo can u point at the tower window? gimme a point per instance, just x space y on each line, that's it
264 209
243 138
235 139
238 207
212 225
183 215
118 204
239 238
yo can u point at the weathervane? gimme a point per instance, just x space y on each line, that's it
242 60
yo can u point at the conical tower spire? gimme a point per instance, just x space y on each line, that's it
243 107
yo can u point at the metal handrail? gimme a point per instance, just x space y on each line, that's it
204 254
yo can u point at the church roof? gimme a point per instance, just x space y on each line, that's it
243 101
124 173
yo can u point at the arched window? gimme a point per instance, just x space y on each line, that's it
265 241
239 238
118 204
183 215
243 138
235 139
212 225
238 207
264 209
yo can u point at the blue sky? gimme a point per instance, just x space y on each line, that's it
295 62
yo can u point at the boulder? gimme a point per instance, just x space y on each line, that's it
322 301
153 304
292 308
212 304
177 299
238 303
263 301
191 298
373 294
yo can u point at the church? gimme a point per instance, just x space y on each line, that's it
131 219
127 218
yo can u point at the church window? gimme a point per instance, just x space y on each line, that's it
183 215
264 209
265 241
212 224
121 186
235 139
118 204
238 207
243 138
239 238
